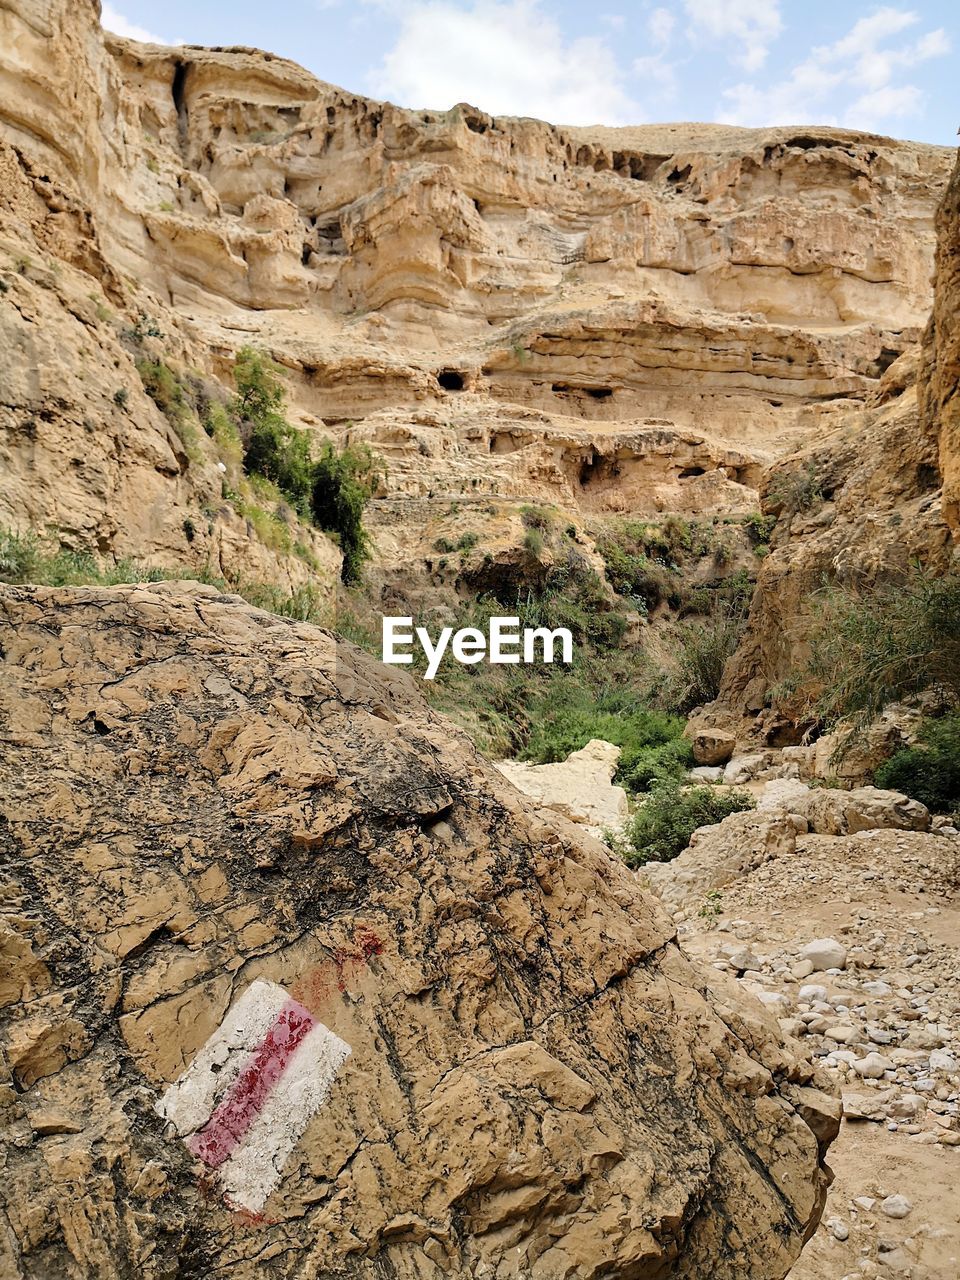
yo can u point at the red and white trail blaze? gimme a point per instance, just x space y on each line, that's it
244 1102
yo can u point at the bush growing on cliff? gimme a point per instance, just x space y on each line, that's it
929 772
704 648
661 827
793 491
871 647
333 490
342 484
273 447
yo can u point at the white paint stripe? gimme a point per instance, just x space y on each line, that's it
255 1167
190 1101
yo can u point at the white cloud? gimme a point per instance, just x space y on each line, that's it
508 57
752 24
872 109
113 21
862 65
659 78
661 26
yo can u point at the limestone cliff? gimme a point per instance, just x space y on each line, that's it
618 321
881 495
200 797
941 353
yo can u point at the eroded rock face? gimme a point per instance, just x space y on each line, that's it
876 497
941 366
629 321
200 797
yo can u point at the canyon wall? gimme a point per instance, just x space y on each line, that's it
629 321
884 489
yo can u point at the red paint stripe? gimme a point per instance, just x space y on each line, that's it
244 1100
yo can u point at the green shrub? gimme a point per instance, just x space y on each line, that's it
273 447
303 604
164 388
793 491
19 556
642 768
929 772
23 560
704 648
533 543
662 825
218 424
871 647
564 719
537 518
342 485
760 528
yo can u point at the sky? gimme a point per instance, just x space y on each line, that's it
887 68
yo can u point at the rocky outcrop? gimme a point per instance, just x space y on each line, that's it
205 804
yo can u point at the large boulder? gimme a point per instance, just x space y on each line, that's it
832 812
580 787
722 853
713 746
295 984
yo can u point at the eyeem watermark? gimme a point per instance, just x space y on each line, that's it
505 644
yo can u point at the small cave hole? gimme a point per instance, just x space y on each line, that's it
687 472
599 393
451 379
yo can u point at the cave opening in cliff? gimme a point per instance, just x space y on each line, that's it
179 83
599 393
589 470
451 380
687 472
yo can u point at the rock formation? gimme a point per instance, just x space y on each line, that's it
228 835
580 787
618 321
884 497
201 797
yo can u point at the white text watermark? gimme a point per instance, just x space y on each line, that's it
505 644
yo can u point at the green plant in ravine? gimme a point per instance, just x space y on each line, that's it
566 716
711 907
930 771
661 826
703 650
342 484
873 646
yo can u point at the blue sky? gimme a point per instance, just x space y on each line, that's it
890 68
